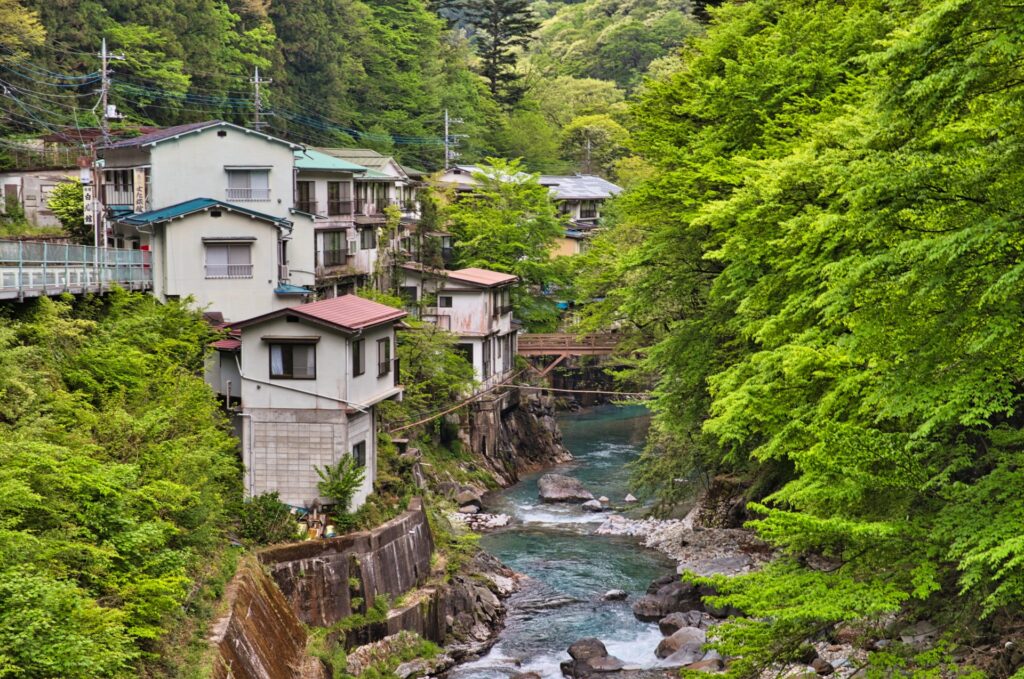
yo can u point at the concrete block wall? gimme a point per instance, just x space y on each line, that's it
282 447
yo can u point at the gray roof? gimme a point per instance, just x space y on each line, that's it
580 187
368 158
189 128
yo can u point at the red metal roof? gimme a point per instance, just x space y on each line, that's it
227 345
347 312
483 277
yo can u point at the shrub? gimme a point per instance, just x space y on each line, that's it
264 520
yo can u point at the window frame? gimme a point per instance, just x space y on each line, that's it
359 453
372 238
384 364
227 246
358 352
291 345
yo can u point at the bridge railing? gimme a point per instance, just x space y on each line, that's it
534 342
33 268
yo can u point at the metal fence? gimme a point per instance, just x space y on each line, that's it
33 268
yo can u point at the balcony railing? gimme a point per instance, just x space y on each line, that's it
307 206
334 257
29 269
254 195
336 208
117 195
229 270
374 208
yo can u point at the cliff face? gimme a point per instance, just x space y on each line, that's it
260 637
515 434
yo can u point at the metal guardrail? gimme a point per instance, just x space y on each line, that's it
34 269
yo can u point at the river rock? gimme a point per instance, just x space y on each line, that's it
588 648
629 498
561 488
526 675
606 664
673 622
709 665
592 506
683 647
469 498
603 499
615 595
469 509
672 597
822 666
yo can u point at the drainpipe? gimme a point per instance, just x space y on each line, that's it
247 456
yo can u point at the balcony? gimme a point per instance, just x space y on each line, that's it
229 270
307 206
117 195
334 257
248 195
389 366
340 208
370 208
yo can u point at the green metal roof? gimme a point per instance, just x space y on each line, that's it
165 214
373 174
311 159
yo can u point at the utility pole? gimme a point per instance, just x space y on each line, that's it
451 140
257 99
105 58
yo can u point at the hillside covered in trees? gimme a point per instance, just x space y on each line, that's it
825 263
533 82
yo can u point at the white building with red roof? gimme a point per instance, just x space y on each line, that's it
310 379
476 305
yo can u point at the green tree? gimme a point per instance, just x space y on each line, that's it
68 206
509 223
340 482
595 143
501 28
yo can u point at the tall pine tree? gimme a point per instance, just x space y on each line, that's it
501 26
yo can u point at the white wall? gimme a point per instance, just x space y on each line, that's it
180 258
334 387
194 167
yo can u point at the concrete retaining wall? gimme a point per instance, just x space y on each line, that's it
320 579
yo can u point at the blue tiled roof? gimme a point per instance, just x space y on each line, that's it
165 214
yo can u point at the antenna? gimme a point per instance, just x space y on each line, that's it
257 99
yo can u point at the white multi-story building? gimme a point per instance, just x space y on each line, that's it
310 378
214 202
474 304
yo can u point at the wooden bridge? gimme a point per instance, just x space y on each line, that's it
555 344
36 269
564 345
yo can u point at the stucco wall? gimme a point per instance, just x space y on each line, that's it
181 258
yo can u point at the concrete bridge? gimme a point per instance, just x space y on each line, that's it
40 268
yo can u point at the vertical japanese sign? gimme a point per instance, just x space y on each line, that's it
89 204
139 190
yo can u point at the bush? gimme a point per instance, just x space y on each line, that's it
340 482
265 520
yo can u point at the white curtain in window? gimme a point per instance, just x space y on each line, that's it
310 361
276 359
238 179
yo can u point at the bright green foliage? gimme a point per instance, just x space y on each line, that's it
595 143
265 520
21 29
509 224
826 265
115 466
340 481
68 206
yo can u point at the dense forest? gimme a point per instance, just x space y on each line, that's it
545 83
825 261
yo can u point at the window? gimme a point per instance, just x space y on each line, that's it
228 260
410 294
335 248
358 358
339 200
444 302
383 356
293 361
487 358
359 453
305 197
466 350
368 239
252 185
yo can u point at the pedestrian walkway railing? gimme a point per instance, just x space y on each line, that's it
37 268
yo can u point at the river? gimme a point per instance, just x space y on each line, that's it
569 568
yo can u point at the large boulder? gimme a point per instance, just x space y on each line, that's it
590 659
592 506
675 596
675 621
586 649
683 647
561 488
467 498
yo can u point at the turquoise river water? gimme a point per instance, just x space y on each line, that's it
568 567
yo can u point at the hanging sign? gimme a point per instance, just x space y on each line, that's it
139 190
88 204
